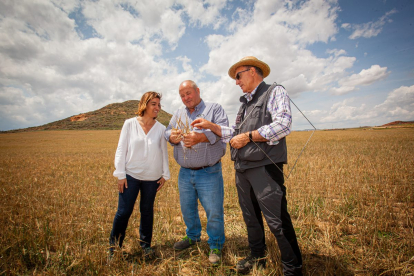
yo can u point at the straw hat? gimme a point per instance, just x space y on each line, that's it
249 61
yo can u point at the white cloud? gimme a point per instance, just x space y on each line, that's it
314 20
109 68
138 21
336 52
399 103
54 67
48 73
67 5
347 111
365 77
204 13
215 41
370 29
291 29
240 17
172 26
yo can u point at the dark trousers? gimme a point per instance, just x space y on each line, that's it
262 190
126 202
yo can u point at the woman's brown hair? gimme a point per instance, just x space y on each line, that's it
145 99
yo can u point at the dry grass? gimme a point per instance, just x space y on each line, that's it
351 198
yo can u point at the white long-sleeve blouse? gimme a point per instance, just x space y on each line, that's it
142 156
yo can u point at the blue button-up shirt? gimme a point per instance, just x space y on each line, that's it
202 154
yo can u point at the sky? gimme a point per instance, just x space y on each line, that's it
345 63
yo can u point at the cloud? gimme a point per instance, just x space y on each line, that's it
135 21
204 13
48 72
283 32
122 57
370 29
399 103
336 52
365 77
346 111
61 58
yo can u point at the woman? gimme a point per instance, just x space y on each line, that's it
141 165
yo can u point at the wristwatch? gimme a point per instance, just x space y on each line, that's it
250 136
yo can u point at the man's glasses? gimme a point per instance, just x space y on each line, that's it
238 74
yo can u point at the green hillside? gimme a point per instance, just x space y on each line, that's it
111 116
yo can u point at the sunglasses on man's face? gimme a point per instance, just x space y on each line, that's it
238 74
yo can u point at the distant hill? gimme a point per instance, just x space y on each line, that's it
111 116
398 123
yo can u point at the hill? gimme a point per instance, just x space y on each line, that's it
111 116
398 123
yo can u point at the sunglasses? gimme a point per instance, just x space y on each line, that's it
238 74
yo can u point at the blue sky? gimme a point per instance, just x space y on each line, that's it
345 63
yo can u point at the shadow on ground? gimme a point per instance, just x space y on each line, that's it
195 259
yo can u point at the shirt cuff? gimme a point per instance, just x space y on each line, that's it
226 133
119 175
263 132
212 138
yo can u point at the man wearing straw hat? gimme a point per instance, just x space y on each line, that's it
200 178
258 149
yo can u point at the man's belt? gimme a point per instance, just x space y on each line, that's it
199 168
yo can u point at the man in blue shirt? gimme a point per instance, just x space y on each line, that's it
199 153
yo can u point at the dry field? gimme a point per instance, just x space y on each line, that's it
351 198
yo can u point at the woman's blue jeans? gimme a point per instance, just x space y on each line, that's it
206 185
126 202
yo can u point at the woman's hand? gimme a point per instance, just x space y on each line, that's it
121 184
160 183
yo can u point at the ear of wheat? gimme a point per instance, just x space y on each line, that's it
185 129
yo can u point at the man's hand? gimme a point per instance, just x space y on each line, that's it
193 138
240 140
204 124
176 136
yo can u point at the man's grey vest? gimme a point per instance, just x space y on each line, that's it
257 115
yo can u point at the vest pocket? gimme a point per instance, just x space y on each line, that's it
257 111
233 153
250 153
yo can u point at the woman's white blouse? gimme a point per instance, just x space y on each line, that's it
142 156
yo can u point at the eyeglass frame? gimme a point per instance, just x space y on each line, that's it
238 76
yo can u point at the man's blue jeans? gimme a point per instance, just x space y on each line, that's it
126 204
206 185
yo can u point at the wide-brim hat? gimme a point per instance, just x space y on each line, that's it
249 61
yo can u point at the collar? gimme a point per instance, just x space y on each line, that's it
198 107
249 96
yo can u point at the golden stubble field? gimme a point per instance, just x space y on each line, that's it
351 198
